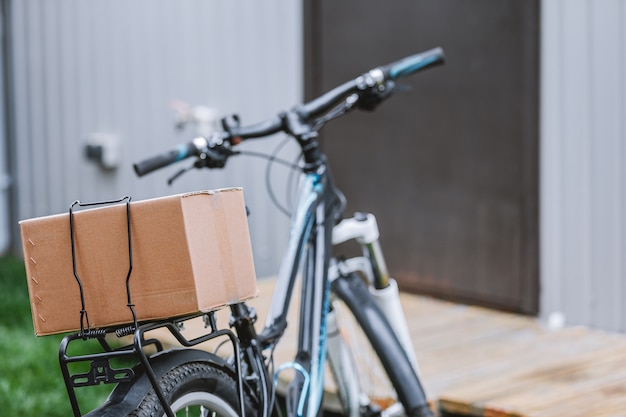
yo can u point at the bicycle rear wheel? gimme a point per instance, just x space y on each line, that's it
194 383
196 389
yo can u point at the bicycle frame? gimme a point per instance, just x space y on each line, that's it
315 229
307 251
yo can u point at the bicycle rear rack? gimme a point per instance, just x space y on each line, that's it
100 369
102 372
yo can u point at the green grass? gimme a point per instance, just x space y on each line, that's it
31 383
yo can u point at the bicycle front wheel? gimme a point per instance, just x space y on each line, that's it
397 388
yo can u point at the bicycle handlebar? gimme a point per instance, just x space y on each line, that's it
258 130
375 80
414 63
374 77
164 159
326 101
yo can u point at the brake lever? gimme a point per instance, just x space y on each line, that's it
209 158
346 106
370 99
174 177
214 157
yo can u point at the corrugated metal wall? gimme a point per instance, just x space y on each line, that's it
113 67
5 179
583 165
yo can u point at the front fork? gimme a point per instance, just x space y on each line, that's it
384 290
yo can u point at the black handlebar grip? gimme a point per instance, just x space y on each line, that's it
413 64
166 158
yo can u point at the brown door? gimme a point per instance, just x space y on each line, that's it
450 168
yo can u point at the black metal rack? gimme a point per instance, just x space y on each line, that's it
101 370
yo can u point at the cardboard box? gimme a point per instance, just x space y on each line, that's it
191 253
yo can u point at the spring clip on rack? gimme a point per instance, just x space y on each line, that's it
88 332
101 370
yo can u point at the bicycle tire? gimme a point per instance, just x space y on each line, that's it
189 379
353 292
192 387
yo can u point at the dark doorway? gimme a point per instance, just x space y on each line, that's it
451 168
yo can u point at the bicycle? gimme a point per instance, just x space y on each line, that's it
184 380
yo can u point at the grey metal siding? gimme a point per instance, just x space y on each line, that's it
5 179
113 67
583 166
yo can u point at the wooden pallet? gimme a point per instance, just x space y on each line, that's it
479 362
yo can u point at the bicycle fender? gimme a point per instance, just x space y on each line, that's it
354 293
127 396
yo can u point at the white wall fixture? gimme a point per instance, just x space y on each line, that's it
104 149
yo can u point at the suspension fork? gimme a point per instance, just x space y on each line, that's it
363 228
383 290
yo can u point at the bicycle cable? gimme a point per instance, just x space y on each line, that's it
271 159
270 369
344 107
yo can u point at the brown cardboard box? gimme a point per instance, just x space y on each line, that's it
191 253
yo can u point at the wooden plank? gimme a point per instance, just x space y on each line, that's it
465 325
517 375
605 401
517 391
561 386
461 366
467 363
